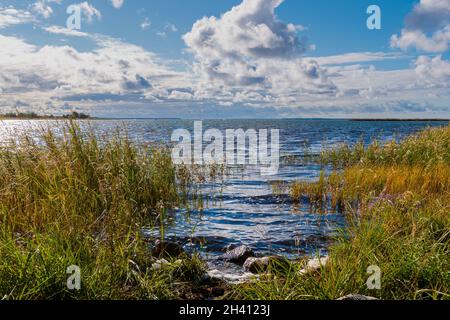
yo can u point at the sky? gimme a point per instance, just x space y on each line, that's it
226 58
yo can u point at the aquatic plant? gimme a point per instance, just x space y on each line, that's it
78 199
396 198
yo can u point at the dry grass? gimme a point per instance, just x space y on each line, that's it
397 201
79 200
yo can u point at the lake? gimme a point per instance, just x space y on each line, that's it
246 210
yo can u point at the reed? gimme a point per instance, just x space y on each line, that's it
79 199
425 148
396 198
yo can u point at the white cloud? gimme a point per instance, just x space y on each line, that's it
433 71
57 74
429 15
146 24
120 74
42 7
10 16
246 60
438 42
171 27
250 29
357 57
89 11
117 3
65 31
249 49
427 27
180 95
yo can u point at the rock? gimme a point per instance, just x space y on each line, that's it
259 265
228 277
357 297
167 249
238 255
314 265
159 264
208 289
256 265
230 247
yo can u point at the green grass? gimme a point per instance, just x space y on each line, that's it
397 202
80 200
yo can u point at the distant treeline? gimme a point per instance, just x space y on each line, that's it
34 115
395 120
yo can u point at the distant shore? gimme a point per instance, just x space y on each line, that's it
400 120
83 116
35 116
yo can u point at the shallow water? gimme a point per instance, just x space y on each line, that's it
247 212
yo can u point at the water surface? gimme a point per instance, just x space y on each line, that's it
247 211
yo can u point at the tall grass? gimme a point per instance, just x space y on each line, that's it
362 185
79 200
397 201
425 148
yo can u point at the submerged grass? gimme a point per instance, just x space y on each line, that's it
75 199
396 198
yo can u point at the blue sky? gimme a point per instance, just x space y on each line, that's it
227 58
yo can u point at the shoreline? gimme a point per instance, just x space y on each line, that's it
235 119
74 202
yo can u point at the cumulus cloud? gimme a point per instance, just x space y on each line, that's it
42 7
245 61
433 71
89 11
249 46
251 29
438 42
429 15
427 27
10 16
52 74
180 95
